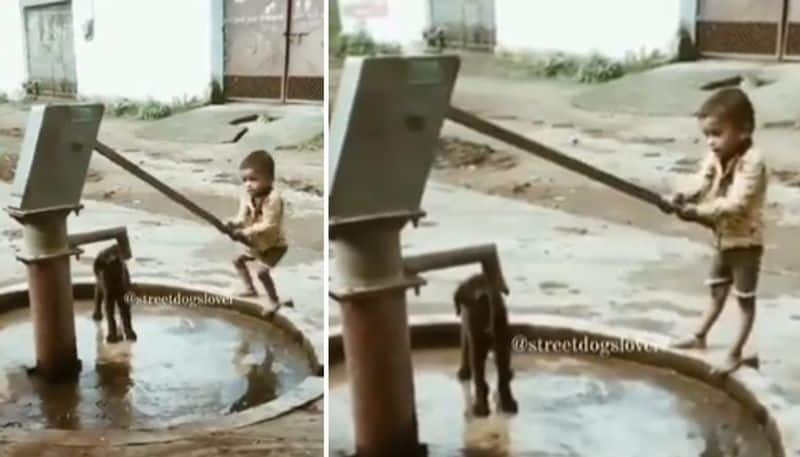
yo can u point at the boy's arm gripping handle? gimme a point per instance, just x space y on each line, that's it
169 192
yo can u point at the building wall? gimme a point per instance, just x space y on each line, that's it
394 21
609 27
12 55
144 49
141 49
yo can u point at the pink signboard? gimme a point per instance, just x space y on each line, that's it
364 9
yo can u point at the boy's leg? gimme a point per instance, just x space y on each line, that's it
240 263
269 259
720 284
746 266
266 278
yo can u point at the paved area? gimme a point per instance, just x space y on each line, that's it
169 243
575 248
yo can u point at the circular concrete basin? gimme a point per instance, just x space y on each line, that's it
653 403
201 362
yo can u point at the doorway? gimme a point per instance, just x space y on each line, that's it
274 49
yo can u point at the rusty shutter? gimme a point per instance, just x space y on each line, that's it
792 40
254 48
307 50
739 27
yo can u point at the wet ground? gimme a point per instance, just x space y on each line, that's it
569 406
190 152
187 364
193 153
571 247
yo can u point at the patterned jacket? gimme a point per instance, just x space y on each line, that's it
732 198
261 220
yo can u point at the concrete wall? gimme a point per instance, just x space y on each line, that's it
141 49
402 22
609 27
12 55
144 48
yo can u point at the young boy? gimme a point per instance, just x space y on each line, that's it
728 195
260 224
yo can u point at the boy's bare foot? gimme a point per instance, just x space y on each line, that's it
689 342
274 306
733 363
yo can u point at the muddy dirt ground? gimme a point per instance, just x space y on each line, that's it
195 153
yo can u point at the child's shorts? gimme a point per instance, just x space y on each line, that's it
269 257
738 267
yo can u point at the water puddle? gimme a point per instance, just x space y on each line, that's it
568 407
188 364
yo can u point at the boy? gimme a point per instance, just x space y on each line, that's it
729 196
259 223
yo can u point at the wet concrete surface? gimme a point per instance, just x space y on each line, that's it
624 262
188 364
171 244
569 406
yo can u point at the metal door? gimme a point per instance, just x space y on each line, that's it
740 27
467 23
51 52
479 24
306 50
448 15
255 48
791 49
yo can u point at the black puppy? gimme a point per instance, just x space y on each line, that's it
113 284
484 328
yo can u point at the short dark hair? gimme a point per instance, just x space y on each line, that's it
260 161
730 105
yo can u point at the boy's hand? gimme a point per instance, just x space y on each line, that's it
667 205
688 213
678 199
238 235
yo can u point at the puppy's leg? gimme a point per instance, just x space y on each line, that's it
502 351
479 349
125 315
464 371
98 298
113 334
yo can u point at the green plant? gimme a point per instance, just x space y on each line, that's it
598 69
152 110
180 105
643 60
560 65
589 70
389 49
217 96
3 97
121 108
362 44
